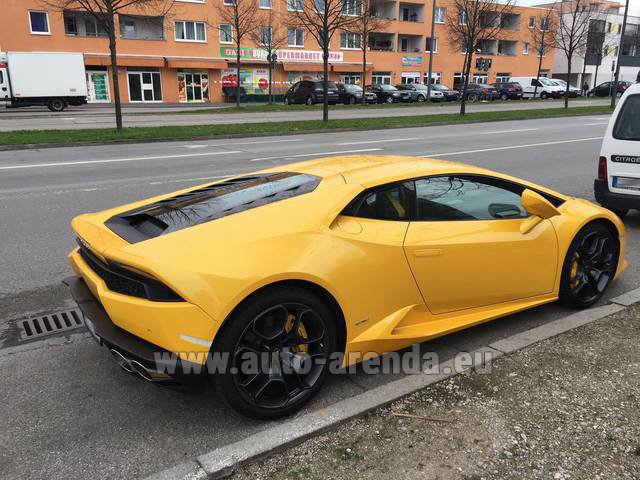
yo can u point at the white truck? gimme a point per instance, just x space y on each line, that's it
54 80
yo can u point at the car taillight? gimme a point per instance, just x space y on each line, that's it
602 168
624 87
511 89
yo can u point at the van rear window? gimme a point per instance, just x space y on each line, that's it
627 125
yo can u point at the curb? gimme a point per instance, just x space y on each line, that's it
8 148
223 461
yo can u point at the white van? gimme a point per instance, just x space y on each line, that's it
618 184
546 87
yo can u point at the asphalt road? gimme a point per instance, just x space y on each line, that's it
68 411
91 116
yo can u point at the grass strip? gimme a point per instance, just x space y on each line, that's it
192 132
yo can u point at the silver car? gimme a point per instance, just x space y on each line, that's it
418 92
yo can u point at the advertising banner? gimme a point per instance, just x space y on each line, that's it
253 80
284 55
411 61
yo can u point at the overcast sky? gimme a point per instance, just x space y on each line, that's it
634 5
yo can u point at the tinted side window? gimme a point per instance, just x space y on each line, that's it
467 198
627 125
391 202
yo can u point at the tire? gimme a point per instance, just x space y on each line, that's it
420 98
544 95
388 100
287 101
352 100
56 105
589 266
309 100
260 326
473 97
504 96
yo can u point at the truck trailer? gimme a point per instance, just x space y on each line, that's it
51 79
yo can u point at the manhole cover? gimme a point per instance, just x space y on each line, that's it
50 324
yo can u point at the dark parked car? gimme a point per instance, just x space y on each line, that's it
385 93
604 89
311 92
351 94
481 91
418 92
449 94
508 90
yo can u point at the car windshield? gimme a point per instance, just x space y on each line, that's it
627 125
547 82
440 87
420 86
389 88
353 88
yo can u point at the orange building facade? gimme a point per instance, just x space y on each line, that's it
187 56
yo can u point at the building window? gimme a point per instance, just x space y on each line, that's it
229 2
381 77
432 44
70 25
350 40
462 17
39 23
265 35
351 7
525 49
436 78
532 22
226 33
542 51
441 14
458 81
295 5
144 86
265 4
190 31
503 77
295 37
350 79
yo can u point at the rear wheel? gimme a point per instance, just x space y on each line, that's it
420 98
543 95
292 334
589 266
473 97
504 96
309 100
287 101
352 100
56 105
389 100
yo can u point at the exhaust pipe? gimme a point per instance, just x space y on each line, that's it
133 366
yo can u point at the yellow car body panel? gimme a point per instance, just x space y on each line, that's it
380 273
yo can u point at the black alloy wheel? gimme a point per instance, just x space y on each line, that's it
589 266
504 96
309 100
279 351
389 99
420 98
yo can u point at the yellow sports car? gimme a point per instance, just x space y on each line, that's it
337 258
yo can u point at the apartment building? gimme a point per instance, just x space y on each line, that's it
188 56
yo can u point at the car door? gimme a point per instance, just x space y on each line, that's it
465 247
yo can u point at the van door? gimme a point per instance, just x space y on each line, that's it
5 93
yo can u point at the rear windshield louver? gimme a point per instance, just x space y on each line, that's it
209 203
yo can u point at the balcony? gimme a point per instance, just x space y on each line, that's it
410 43
383 42
384 9
507 47
487 47
141 28
410 12
510 21
80 24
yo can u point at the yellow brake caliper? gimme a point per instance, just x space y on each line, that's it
575 267
301 331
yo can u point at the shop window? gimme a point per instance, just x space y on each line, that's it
381 77
350 79
503 77
144 86
193 86
436 78
186 31
39 22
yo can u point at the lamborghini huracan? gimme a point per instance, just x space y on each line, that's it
338 255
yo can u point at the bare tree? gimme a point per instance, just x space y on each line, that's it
543 38
572 33
243 17
322 18
104 12
469 24
271 35
368 22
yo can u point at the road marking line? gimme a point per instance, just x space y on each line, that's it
366 142
260 142
316 154
597 123
509 147
115 160
510 131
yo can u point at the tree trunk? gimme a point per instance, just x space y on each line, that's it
364 73
270 81
566 93
114 71
325 89
238 75
595 76
466 72
535 88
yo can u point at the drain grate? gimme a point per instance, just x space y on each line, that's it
50 324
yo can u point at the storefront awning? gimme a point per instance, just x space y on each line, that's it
302 67
196 63
349 68
104 61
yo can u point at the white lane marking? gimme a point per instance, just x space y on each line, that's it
510 131
597 123
260 142
115 160
367 142
316 154
510 147
197 146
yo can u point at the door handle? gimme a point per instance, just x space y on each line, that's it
428 252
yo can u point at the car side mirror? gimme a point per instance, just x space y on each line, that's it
539 207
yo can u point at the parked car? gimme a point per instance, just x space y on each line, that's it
311 92
618 184
481 91
352 94
540 87
449 94
604 89
509 90
418 92
385 93
573 91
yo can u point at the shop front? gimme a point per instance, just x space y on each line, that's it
98 90
193 86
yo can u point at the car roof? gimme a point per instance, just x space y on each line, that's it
634 88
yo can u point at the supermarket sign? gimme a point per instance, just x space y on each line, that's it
310 56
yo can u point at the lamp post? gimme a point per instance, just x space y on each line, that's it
617 74
431 42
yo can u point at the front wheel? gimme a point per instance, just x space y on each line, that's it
420 98
504 96
589 266
279 345
56 105
309 100
389 100
543 95
287 101
352 100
